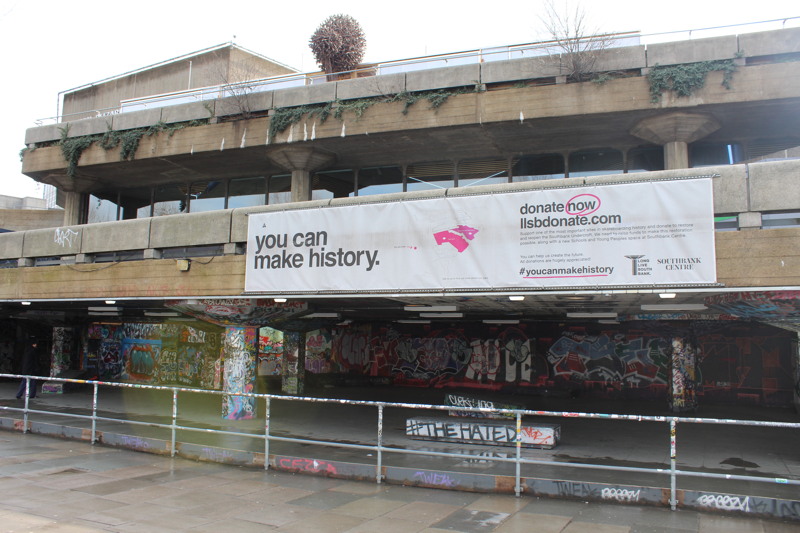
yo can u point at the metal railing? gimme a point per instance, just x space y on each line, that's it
380 448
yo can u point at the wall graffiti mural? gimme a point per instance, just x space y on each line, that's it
270 351
140 359
671 361
240 372
62 351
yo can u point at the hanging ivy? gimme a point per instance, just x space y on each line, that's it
687 78
127 140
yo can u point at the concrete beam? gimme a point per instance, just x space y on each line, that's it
371 86
42 134
520 69
243 104
765 43
773 186
136 119
310 94
192 229
187 112
443 78
692 51
11 245
53 242
116 236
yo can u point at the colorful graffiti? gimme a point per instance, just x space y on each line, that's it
62 351
240 373
270 351
318 352
140 359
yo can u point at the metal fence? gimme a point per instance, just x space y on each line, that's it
380 448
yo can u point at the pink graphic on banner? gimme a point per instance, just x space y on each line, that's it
457 236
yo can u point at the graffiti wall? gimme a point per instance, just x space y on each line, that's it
240 348
672 361
270 351
159 354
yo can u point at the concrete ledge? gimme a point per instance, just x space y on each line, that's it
187 112
692 51
136 119
310 94
42 134
236 105
767 43
441 78
483 431
623 58
11 245
116 236
520 69
390 197
773 185
89 126
53 242
193 229
371 86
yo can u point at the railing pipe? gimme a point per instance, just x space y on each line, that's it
379 447
673 461
94 413
174 420
267 407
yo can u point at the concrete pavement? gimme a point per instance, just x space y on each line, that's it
55 485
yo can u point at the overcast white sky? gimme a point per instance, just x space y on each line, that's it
51 45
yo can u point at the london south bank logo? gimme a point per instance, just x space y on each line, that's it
459 237
640 265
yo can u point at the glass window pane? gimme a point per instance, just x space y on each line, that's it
709 155
280 189
207 196
246 192
482 172
595 162
379 180
430 176
645 159
101 210
169 200
537 167
332 184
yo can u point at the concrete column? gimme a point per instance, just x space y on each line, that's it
73 207
796 369
683 385
676 155
674 131
302 161
239 348
294 362
301 185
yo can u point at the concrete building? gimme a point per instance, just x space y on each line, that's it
276 229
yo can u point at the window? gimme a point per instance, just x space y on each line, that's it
482 172
711 155
645 159
379 180
207 196
595 162
101 210
246 192
280 189
333 184
430 176
169 200
537 167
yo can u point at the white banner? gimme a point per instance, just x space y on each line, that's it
632 234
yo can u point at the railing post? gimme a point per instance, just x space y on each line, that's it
174 419
266 435
673 499
94 414
517 480
27 397
379 465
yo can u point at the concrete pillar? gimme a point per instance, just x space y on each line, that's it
301 185
240 346
676 155
674 131
796 370
73 207
683 384
294 363
302 161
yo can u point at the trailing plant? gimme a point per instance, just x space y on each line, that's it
127 140
284 117
687 78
